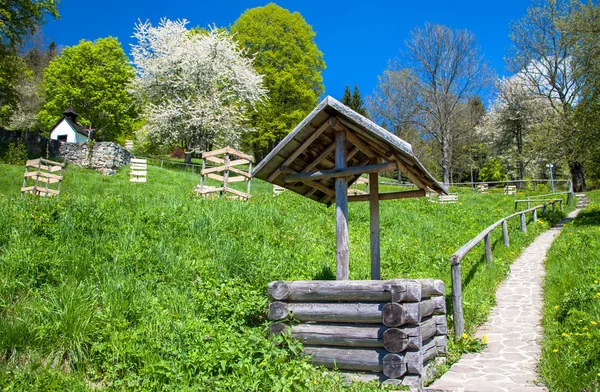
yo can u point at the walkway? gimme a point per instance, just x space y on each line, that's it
513 330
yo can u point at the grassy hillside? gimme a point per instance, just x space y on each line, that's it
571 352
143 286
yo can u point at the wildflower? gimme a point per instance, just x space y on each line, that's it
465 336
315 382
585 328
555 350
594 323
485 339
596 281
468 346
556 307
565 334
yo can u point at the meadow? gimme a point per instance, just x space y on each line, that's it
571 317
122 286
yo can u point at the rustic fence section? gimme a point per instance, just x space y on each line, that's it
138 171
393 330
456 258
37 181
223 157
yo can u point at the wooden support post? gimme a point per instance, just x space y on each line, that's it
505 233
341 210
523 223
202 174
545 209
528 204
534 216
457 310
249 179
560 203
553 206
488 249
374 221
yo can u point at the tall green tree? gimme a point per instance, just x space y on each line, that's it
285 53
347 98
91 77
18 19
357 103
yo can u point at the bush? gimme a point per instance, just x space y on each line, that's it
16 154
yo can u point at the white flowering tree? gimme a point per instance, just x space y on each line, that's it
197 86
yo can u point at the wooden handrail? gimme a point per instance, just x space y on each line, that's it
484 235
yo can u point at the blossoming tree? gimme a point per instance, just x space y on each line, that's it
197 87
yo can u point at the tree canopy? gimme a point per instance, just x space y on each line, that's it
354 101
91 77
284 52
196 86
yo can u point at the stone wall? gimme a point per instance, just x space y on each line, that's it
36 144
105 157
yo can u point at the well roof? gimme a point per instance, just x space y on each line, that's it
310 147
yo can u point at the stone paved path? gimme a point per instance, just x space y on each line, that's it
513 330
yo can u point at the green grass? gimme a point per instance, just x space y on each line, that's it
571 317
125 286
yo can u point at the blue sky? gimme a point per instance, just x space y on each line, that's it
357 38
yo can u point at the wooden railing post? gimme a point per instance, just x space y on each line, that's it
561 204
505 233
523 223
488 249
534 216
554 206
457 309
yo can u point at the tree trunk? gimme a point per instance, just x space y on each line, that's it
445 157
577 176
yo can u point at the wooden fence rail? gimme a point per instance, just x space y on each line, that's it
456 258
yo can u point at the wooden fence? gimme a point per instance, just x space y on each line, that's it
393 330
223 157
138 171
43 172
485 235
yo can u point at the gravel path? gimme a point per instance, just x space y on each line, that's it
513 330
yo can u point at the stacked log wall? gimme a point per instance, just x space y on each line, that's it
391 330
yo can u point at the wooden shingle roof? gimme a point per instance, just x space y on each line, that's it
310 148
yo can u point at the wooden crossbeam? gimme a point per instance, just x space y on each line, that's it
346 172
43 174
227 150
360 144
215 160
215 177
389 196
301 149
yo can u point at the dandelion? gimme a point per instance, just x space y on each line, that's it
465 336
585 328
596 281
468 346
556 307
555 350
315 382
565 334
594 323
485 339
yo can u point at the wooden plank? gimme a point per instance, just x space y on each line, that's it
136 160
37 190
354 335
216 169
138 179
341 172
395 290
136 166
341 211
374 224
300 149
220 151
237 179
363 313
51 163
240 172
389 196
362 146
44 175
320 158
236 192
138 173
33 163
239 162
216 177
215 160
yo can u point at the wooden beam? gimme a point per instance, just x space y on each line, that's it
374 223
301 149
389 196
361 145
341 210
215 160
345 172
411 176
321 156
